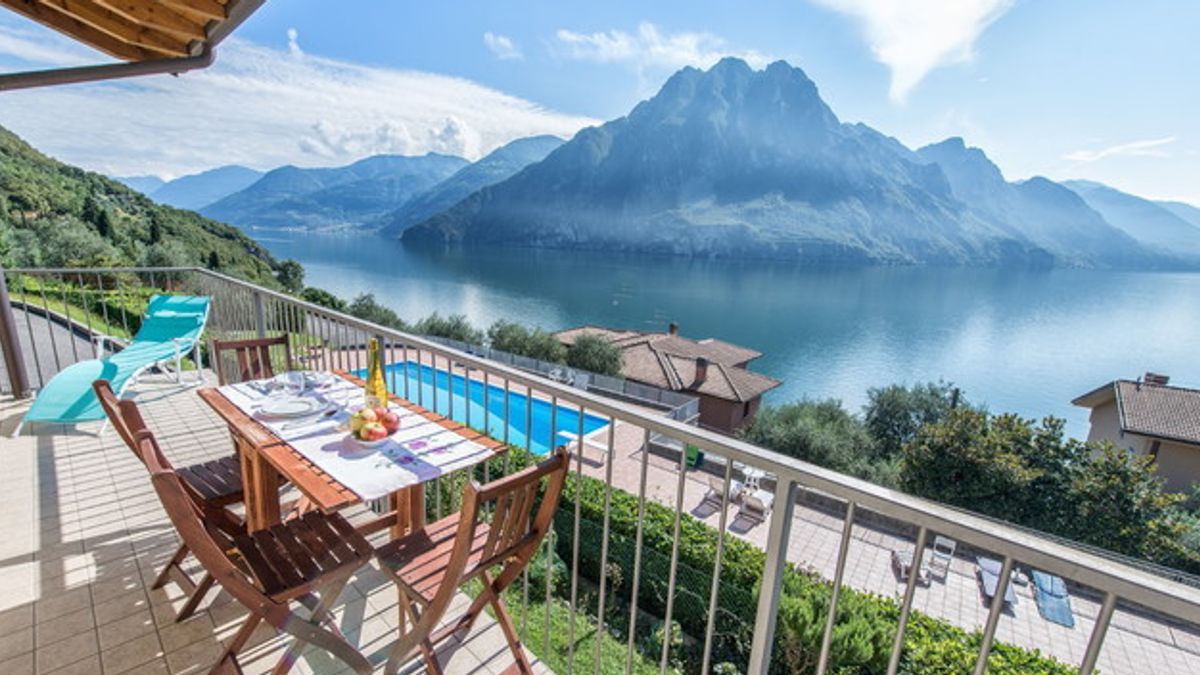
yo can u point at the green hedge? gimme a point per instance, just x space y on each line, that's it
866 623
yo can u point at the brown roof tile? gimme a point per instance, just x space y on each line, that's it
669 362
1171 413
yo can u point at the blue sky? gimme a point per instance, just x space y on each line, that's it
1098 89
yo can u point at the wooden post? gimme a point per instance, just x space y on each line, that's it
14 360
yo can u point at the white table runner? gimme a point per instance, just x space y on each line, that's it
420 451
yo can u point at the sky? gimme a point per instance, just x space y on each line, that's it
1104 90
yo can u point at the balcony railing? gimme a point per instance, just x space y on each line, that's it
49 305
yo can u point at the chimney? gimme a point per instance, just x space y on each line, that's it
673 328
701 372
1156 378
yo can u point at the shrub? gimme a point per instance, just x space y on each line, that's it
322 297
533 343
824 433
594 353
454 327
895 413
366 308
865 626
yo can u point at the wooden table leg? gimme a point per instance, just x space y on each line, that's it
408 505
260 485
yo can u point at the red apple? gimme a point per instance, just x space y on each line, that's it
390 421
373 431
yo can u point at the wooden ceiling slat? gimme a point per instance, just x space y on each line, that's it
209 10
158 15
80 31
116 25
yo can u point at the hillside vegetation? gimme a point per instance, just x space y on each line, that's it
56 215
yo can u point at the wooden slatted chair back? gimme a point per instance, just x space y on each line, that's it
513 529
203 537
511 540
251 359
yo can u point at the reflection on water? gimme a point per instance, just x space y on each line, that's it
1023 341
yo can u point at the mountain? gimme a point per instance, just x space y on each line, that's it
329 198
56 215
143 184
201 189
1181 210
501 164
1038 210
1144 220
733 162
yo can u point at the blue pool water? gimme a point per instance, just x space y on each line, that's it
435 389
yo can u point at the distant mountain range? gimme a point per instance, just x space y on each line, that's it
729 162
349 196
501 164
733 162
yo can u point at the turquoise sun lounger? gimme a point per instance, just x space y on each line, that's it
170 330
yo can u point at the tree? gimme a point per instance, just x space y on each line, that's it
322 297
821 432
454 327
366 308
973 460
1119 504
895 413
166 254
290 275
517 339
595 354
156 230
214 260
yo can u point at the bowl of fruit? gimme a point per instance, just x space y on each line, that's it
371 427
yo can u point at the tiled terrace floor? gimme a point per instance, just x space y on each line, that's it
82 536
1136 643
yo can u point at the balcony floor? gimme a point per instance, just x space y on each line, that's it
84 537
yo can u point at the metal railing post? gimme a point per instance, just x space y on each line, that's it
10 342
260 315
772 579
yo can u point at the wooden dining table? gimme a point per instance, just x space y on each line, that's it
269 463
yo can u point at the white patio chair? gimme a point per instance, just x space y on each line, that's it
943 553
716 489
757 504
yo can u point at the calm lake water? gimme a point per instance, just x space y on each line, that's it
1019 341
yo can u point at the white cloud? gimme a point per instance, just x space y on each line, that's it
912 37
264 108
650 49
502 46
28 47
1147 148
294 43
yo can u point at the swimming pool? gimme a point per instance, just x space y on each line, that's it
435 393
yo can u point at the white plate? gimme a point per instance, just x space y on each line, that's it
286 408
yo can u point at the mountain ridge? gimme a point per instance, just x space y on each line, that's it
733 162
353 195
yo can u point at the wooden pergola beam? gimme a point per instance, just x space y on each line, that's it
80 31
130 32
209 10
158 15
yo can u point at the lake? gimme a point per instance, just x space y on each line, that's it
1020 341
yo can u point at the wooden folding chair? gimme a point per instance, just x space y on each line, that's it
213 485
252 358
308 560
430 565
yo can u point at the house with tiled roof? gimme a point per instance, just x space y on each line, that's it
1150 417
714 371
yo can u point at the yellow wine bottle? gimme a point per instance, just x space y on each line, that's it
375 391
